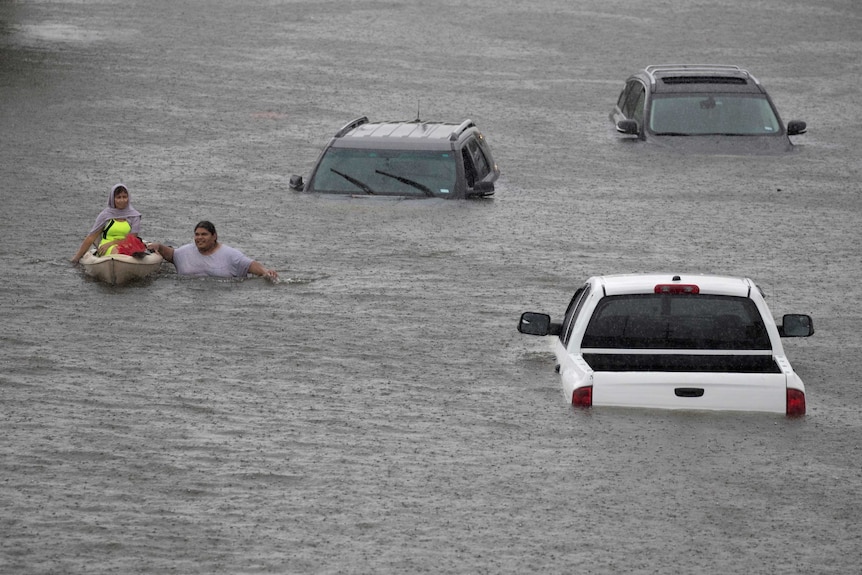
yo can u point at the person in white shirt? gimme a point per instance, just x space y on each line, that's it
208 257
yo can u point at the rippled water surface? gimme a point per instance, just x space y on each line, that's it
376 411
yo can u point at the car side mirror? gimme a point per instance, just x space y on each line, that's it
628 127
535 324
796 127
796 325
296 183
481 189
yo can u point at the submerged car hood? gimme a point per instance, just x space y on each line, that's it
726 145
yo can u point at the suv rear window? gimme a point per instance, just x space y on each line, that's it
657 321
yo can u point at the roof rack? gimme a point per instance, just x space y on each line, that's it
466 124
652 70
349 126
688 67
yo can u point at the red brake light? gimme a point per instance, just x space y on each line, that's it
583 396
795 403
676 289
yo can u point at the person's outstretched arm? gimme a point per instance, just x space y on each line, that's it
258 269
166 252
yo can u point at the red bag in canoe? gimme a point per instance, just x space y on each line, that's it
131 246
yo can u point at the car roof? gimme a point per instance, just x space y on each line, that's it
625 284
415 134
675 78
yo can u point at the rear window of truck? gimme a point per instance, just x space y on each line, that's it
676 321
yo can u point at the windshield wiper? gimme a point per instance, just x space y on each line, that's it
359 184
409 182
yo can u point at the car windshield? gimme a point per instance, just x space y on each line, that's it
385 172
725 114
661 321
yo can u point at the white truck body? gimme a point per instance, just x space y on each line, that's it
675 342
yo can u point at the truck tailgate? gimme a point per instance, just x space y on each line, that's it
691 390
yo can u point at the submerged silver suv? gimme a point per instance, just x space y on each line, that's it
410 159
702 108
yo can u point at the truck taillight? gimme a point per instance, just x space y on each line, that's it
795 402
583 397
677 289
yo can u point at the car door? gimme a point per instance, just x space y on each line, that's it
574 372
618 113
476 166
630 105
634 104
572 312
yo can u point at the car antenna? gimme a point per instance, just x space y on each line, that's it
418 102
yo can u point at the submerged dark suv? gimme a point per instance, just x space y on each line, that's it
410 159
702 108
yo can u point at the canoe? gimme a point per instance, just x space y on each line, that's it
116 269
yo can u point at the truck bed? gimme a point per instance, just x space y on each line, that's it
681 362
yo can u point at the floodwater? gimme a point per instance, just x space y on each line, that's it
376 410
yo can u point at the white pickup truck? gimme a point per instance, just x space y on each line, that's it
674 342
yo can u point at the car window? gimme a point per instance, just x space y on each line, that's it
469 168
638 106
695 114
385 172
621 101
634 100
480 163
657 321
572 312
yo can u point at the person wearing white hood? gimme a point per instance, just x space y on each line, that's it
112 224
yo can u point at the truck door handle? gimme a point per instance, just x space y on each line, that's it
688 392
